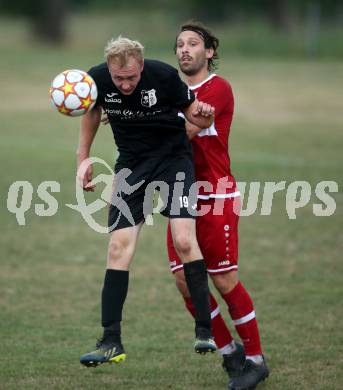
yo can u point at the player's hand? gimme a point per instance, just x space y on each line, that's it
104 119
85 175
203 109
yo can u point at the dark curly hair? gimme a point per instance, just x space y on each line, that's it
210 41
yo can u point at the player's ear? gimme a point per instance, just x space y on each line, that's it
142 65
209 53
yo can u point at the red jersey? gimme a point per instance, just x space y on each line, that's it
210 146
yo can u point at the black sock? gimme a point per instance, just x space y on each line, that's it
197 283
112 299
112 332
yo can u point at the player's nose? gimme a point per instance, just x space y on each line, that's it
126 87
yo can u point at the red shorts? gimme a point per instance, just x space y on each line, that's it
217 237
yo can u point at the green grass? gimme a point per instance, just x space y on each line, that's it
288 126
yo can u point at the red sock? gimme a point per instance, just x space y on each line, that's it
242 313
221 333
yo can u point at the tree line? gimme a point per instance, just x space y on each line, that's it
48 17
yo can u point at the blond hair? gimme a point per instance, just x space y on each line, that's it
120 49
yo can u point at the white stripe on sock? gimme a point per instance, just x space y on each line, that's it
215 312
245 319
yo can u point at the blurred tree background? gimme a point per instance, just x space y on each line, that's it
302 27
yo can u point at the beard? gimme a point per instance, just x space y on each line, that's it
192 68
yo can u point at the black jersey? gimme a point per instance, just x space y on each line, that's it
146 123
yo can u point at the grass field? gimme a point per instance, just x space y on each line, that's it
288 126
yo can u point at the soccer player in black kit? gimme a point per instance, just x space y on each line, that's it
142 99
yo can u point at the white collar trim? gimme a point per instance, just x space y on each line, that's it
203 82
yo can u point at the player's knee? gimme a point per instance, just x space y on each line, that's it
181 284
118 249
115 249
183 244
225 283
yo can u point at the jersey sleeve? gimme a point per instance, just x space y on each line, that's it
220 96
180 95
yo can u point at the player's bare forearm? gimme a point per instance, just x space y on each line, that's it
89 126
200 114
192 130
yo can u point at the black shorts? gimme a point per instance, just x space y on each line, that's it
135 187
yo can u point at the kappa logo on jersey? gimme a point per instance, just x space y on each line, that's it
111 99
149 98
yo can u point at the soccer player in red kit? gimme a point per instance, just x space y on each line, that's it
217 230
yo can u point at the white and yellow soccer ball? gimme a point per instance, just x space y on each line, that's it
73 92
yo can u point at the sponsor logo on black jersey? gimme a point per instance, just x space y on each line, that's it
111 99
148 98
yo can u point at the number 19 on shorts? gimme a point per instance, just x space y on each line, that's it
183 201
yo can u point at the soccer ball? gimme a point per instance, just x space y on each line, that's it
73 92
